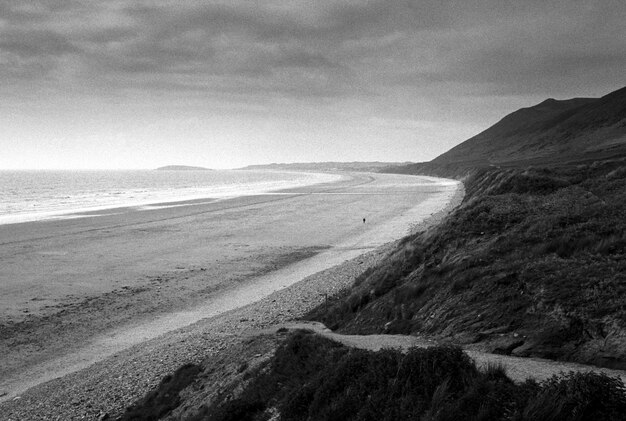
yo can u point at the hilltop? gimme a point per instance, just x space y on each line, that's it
550 133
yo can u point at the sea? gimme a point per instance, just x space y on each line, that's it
43 194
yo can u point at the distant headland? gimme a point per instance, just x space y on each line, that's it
182 168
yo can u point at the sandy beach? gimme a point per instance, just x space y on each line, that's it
80 291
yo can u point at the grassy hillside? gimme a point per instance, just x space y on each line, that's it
532 264
551 132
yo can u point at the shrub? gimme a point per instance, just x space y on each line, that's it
576 396
529 182
312 378
165 398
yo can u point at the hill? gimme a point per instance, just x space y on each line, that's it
552 132
181 168
531 264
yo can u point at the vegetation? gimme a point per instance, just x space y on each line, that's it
533 263
165 398
312 378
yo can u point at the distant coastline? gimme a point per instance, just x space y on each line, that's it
182 168
40 195
327 166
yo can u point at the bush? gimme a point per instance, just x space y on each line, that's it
312 378
165 398
529 182
576 396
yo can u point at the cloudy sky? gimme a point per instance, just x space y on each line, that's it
222 84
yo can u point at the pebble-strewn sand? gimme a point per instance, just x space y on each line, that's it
114 382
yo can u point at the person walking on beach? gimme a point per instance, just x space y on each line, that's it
363 220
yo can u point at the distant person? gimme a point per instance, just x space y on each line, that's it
363 220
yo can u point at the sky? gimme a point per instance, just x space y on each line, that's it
223 84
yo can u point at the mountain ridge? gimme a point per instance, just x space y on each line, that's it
550 132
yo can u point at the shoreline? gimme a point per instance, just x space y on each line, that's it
29 249
264 312
182 196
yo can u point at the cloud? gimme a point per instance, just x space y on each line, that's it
34 43
347 48
543 49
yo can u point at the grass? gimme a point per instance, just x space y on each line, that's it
312 378
165 398
533 256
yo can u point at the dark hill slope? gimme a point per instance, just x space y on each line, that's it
509 139
534 261
551 132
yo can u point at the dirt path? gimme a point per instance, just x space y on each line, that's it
518 369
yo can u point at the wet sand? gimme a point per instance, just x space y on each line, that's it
75 291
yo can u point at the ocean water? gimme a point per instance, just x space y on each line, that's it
38 195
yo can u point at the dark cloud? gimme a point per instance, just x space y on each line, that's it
35 43
343 48
507 67
242 89
332 23
515 70
15 12
107 35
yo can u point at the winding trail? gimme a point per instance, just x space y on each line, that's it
518 369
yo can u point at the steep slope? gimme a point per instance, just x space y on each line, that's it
509 138
575 130
533 263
